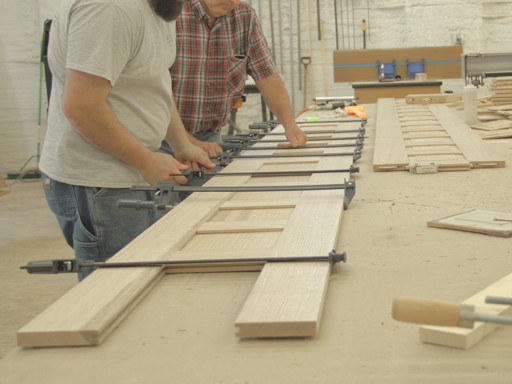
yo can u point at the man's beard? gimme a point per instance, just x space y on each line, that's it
168 10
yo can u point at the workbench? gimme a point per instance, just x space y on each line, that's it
370 92
183 331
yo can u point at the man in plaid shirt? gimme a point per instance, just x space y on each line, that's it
220 42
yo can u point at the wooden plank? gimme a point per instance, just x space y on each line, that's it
501 134
465 338
479 221
276 306
432 98
474 149
493 125
368 93
239 227
258 204
389 152
432 150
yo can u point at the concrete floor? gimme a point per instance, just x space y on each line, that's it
28 231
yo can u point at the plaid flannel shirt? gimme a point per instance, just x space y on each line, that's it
209 73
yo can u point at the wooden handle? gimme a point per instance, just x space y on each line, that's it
423 311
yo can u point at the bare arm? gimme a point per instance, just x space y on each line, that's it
276 97
85 105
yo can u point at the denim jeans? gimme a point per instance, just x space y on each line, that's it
210 136
91 222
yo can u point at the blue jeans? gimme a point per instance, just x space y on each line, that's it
91 222
210 136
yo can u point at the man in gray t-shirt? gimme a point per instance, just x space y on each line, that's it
109 111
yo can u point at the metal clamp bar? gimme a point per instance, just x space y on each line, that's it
75 265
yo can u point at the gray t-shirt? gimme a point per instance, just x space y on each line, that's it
125 42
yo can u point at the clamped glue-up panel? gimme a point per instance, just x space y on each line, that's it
287 298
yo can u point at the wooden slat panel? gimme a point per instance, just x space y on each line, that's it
462 149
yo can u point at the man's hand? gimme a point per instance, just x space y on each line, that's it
195 157
212 148
295 136
159 166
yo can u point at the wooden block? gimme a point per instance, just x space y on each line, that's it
501 134
433 98
493 125
465 338
478 221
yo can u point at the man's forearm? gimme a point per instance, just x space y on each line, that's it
177 135
276 97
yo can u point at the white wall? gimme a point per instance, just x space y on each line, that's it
482 25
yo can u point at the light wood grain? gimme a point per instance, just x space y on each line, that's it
466 338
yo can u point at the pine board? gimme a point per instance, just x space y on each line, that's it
206 225
275 307
408 134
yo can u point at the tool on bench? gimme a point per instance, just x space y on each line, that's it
265 126
333 102
357 110
329 106
443 313
203 174
327 99
225 158
74 265
163 193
